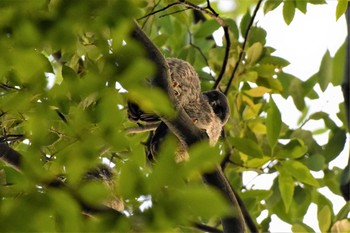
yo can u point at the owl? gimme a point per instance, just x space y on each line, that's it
185 82
209 111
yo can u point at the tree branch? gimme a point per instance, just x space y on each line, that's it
188 133
240 56
206 228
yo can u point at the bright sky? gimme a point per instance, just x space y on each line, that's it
303 43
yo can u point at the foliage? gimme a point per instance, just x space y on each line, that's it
60 69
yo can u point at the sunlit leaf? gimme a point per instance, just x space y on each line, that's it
302 6
338 65
247 146
254 52
293 149
324 218
257 162
257 91
301 227
289 11
300 172
271 5
286 187
341 8
277 61
251 112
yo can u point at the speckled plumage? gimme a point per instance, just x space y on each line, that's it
209 110
185 81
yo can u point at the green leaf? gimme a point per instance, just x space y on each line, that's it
247 146
245 23
202 158
296 91
257 162
301 227
273 123
301 5
152 100
232 27
254 52
257 91
289 11
300 204
197 1
335 145
270 5
257 34
204 202
317 2
324 216
294 149
273 60
315 162
327 120
300 172
341 8
207 28
286 187
338 65
326 71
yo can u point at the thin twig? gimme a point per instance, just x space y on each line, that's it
240 57
210 11
226 56
153 7
142 128
160 10
201 53
174 12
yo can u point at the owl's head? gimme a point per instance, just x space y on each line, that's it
218 101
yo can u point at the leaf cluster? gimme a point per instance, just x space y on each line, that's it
66 70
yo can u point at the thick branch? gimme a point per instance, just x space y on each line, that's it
182 125
185 130
10 156
218 180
